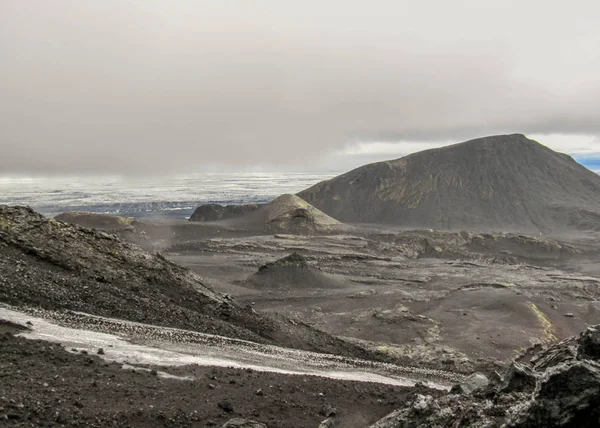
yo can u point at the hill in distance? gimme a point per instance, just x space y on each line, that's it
503 182
285 214
290 272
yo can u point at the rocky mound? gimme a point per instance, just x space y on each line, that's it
127 228
504 182
290 272
288 214
216 212
53 265
96 221
558 387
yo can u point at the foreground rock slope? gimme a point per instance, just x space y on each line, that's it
504 182
558 386
53 265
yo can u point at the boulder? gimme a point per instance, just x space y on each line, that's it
518 378
589 343
243 423
474 382
567 396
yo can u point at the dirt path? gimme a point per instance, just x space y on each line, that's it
138 344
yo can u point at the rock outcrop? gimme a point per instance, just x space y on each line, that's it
560 387
286 214
216 212
290 272
96 220
504 182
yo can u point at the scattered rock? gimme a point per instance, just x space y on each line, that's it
243 423
100 351
226 405
328 411
327 423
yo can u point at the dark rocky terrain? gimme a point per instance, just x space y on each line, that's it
41 384
54 265
447 300
504 182
558 386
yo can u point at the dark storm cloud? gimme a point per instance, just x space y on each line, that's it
140 86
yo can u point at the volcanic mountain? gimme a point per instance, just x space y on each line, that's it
285 214
505 182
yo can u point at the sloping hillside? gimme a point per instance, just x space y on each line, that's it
505 182
53 265
286 214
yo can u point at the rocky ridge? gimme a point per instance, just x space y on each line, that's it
558 386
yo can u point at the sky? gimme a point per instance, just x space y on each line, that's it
147 86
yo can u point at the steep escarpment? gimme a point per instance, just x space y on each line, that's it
53 265
504 182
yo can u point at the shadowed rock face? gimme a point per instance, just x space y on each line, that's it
564 391
506 182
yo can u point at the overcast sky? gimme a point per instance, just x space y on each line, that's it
158 86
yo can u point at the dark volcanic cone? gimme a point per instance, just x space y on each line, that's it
506 182
290 272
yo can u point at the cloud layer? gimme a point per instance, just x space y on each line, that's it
138 86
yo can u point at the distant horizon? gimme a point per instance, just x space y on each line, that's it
585 150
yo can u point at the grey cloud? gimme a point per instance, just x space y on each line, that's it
137 86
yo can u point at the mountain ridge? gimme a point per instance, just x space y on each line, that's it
506 182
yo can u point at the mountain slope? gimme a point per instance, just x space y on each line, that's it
287 214
502 182
54 265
